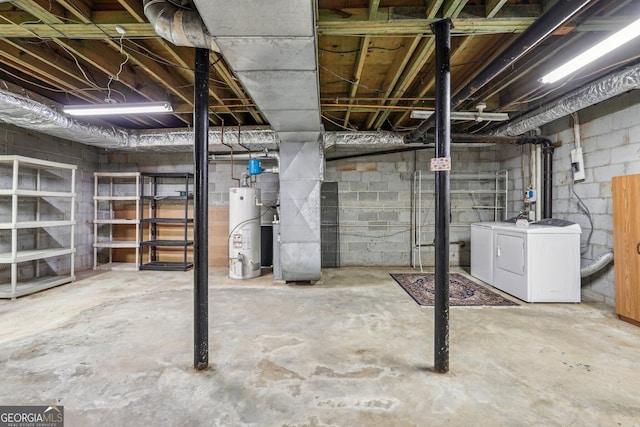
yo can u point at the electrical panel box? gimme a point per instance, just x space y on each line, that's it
577 164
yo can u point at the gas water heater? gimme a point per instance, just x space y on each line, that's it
244 232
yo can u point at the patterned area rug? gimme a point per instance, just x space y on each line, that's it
462 290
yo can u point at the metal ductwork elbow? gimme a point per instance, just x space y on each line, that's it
179 26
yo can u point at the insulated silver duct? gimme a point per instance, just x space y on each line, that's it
220 140
613 85
181 27
355 140
597 265
29 112
24 112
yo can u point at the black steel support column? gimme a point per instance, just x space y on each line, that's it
201 217
442 31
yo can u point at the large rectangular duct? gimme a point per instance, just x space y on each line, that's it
300 180
271 46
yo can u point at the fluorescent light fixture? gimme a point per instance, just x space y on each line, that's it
612 42
463 115
110 109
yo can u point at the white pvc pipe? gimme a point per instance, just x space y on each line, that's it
576 130
538 181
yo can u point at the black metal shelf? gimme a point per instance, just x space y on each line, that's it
175 243
167 220
167 266
178 198
155 193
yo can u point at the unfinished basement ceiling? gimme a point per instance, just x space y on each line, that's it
375 59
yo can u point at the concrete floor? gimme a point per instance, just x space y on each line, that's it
116 349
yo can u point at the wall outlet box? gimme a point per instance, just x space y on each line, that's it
577 164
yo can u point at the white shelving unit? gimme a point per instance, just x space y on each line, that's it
474 197
37 225
116 223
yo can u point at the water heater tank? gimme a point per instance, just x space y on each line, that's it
244 233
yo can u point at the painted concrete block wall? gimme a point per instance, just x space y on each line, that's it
376 199
15 141
221 176
610 140
221 179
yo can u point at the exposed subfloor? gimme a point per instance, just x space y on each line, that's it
116 348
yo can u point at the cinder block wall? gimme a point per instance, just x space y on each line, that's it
16 141
376 195
221 177
610 140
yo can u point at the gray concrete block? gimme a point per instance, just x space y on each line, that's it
605 173
371 176
602 221
600 126
387 215
378 186
388 196
587 190
367 196
350 176
610 140
625 119
367 216
625 153
396 185
358 186
357 246
347 197
348 215
632 168
387 166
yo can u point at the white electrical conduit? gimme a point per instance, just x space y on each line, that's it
576 130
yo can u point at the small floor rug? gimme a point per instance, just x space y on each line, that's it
462 290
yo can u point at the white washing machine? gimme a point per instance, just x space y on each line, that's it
539 262
482 253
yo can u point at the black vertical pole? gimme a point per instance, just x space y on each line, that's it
442 31
201 244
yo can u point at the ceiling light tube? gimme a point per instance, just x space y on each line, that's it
109 109
614 41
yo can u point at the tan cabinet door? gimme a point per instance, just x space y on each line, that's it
626 235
